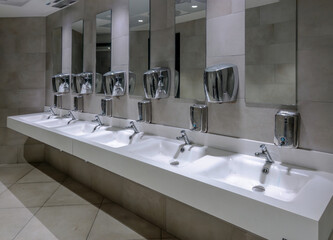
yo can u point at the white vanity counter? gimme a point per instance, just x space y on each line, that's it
296 205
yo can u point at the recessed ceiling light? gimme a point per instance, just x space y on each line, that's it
194 6
140 20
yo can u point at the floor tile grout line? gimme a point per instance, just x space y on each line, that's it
36 212
26 223
93 223
11 184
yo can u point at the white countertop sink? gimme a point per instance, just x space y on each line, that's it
116 137
170 152
281 182
297 203
79 128
53 122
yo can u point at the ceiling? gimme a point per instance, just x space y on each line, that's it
26 8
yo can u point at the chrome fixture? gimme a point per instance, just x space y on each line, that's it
106 106
60 83
57 100
269 161
132 126
99 89
184 137
83 83
144 109
114 83
221 83
286 129
78 103
156 83
199 118
99 123
53 113
71 115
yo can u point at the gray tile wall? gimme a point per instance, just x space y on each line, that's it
315 85
22 84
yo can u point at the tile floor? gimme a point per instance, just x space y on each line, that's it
40 203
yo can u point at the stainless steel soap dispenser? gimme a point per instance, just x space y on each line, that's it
156 83
144 109
286 129
106 106
221 83
199 117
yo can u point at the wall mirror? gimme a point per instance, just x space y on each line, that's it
190 40
103 47
77 47
139 45
57 50
270 46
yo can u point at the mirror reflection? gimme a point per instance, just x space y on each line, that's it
139 45
190 59
57 50
77 47
103 47
270 45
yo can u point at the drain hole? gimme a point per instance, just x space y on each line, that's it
258 188
174 163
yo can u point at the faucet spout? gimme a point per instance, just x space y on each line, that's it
53 113
99 122
184 137
71 115
264 152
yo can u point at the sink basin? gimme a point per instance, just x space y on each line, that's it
78 128
282 182
53 122
169 152
35 117
116 137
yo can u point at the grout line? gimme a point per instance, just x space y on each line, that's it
93 223
33 215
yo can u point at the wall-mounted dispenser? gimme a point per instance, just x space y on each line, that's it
144 109
114 83
99 84
106 106
286 129
199 118
60 83
57 101
78 103
156 83
221 83
83 83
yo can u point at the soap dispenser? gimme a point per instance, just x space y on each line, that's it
286 129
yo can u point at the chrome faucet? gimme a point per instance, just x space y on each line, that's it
52 112
99 122
184 137
70 114
132 126
264 152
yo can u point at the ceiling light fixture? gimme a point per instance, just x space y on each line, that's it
194 6
140 21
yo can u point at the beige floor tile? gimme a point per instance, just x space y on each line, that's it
43 173
115 222
72 193
10 173
3 187
13 220
60 223
27 194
